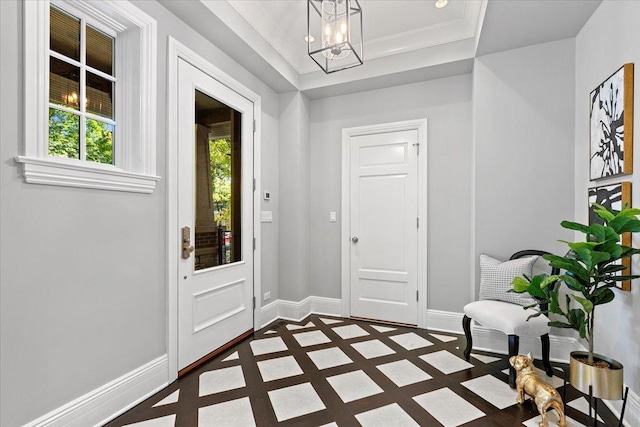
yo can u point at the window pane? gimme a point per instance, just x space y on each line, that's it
218 193
99 96
99 140
64 83
64 33
64 134
99 50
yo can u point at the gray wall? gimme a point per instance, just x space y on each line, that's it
523 103
446 103
598 54
82 277
293 255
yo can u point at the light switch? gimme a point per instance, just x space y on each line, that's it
266 216
332 216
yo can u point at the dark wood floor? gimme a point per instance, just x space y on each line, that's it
382 376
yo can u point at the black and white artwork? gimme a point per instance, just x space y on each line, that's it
609 196
613 197
611 123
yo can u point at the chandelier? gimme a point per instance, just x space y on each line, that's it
334 34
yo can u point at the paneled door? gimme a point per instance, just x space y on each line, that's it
215 210
384 226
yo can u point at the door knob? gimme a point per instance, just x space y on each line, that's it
354 239
187 247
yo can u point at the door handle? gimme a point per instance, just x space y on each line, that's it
354 239
187 247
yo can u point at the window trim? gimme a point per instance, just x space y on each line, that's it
135 156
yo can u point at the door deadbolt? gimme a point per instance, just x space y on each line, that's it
354 239
187 247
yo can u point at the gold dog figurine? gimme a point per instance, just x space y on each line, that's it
544 395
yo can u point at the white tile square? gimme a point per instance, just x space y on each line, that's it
403 372
486 359
234 413
333 424
446 362
494 391
278 368
553 421
353 386
390 415
581 404
330 321
221 380
168 421
411 341
329 357
295 401
232 356
372 348
172 398
305 339
448 408
350 331
267 345
270 332
292 327
382 329
443 338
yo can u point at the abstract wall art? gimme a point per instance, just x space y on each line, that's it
611 125
613 197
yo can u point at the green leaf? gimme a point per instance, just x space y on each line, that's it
612 248
602 296
572 283
631 226
568 264
613 268
632 212
575 226
603 213
623 278
557 324
586 304
598 231
520 284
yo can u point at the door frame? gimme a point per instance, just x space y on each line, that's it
175 52
347 133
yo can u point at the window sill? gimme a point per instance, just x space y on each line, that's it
84 175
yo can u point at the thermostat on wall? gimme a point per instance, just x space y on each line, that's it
267 195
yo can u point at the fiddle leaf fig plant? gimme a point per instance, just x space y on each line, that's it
592 267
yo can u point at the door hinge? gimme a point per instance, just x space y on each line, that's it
254 243
418 222
254 125
254 303
254 184
417 293
417 145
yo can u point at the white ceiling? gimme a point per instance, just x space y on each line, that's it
404 40
413 25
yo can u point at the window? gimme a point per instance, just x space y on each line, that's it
91 122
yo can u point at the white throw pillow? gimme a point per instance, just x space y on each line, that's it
496 277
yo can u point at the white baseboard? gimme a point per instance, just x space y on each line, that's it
444 321
296 311
110 400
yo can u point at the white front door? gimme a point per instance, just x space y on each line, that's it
215 209
383 226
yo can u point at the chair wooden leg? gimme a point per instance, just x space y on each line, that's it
514 345
545 354
466 325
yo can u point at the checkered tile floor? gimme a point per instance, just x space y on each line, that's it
338 372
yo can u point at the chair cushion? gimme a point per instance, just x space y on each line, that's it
496 277
508 318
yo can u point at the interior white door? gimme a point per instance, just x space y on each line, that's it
384 226
215 202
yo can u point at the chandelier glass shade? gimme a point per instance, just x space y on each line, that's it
334 34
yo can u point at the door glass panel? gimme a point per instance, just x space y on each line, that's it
218 226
